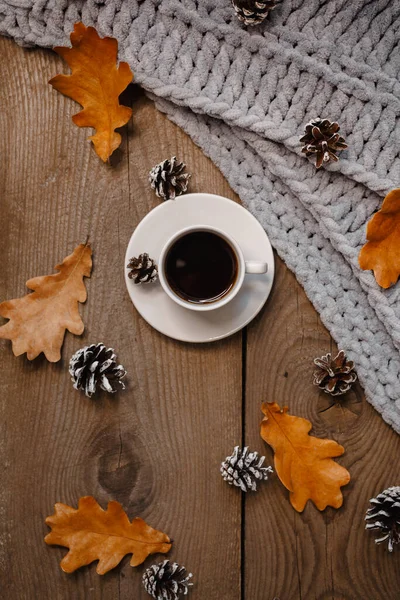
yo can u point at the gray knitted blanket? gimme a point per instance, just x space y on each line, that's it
244 96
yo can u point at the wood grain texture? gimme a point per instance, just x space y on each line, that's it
313 555
156 447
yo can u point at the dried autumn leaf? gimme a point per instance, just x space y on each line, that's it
382 251
37 322
303 463
92 533
96 83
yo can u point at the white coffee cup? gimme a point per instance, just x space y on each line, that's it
243 267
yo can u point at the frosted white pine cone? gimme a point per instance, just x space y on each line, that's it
244 469
95 366
142 269
253 12
384 516
168 179
166 581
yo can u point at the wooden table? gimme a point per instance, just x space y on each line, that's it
157 447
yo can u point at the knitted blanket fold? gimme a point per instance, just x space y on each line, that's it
244 95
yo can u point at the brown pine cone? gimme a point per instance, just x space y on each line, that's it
321 138
142 269
253 12
334 376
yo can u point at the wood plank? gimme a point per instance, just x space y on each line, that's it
156 448
313 555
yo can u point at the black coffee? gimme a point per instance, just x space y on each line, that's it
201 267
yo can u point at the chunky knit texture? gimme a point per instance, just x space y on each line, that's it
245 95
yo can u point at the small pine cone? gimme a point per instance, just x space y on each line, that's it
253 12
168 179
166 581
321 138
334 376
243 469
95 365
384 516
142 269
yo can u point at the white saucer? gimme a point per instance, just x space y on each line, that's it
158 226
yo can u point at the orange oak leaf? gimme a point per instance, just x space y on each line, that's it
37 321
303 463
381 253
96 83
92 533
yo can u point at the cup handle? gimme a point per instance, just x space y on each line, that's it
255 266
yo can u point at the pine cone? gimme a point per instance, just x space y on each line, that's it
243 469
166 581
384 516
168 179
334 376
95 365
142 269
322 139
253 12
